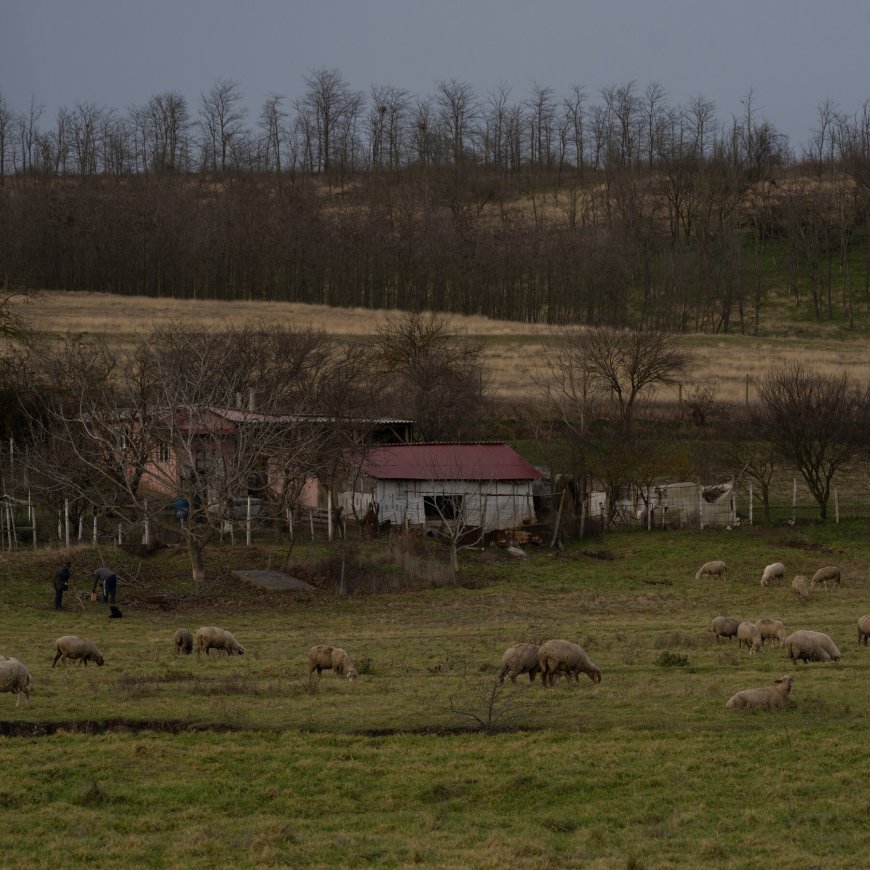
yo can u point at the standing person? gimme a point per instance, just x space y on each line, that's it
109 580
61 584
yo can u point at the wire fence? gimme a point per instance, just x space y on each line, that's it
33 519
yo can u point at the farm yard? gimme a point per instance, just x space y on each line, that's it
193 761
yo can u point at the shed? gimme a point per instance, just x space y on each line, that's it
488 485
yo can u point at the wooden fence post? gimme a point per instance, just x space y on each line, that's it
750 502
793 500
32 509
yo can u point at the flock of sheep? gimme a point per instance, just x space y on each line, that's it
803 645
551 658
15 678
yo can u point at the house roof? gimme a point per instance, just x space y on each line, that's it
240 416
447 462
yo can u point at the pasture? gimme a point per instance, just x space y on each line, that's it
164 760
724 360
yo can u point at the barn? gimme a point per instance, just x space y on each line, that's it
487 485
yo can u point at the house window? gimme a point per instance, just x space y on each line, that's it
442 507
162 452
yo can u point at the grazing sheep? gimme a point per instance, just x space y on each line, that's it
776 571
775 697
209 637
714 569
564 657
521 658
748 633
811 646
323 657
15 678
863 630
725 626
76 648
771 629
801 587
821 577
183 641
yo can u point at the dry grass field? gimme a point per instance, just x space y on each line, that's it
723 359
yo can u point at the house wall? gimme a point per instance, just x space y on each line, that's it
492 505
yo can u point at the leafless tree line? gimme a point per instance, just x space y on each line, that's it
332 127
598 381
619 210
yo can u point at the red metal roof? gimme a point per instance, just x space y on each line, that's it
447 462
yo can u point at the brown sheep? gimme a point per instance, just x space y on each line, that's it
323 657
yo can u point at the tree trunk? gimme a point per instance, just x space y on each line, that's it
197 568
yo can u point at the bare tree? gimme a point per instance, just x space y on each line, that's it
172 418
273 121
816 422
6 117
431 372
222 121
458 114
628 363
324 108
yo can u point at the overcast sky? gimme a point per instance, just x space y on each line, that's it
116 53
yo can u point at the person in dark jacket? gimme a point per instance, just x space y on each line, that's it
61 584
109 580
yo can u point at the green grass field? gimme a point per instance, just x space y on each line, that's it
165 761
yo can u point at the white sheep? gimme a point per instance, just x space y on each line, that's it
521 658
716 568
776 571
771 629
76 648
829 572
211 637
725 626
863 630
748 633
801 587
324 657
15 678
811 646
183 641
775 697
565 657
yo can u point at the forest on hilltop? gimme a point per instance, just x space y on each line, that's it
619 209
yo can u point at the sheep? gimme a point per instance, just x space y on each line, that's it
801 587
863 630
521 658
77 648
714 569
829 572
725 626
15 678
748 633
771 629
811 646
775 697
183 641
564 657
323 657
776 571
210 637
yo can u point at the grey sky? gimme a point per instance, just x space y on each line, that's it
117 53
